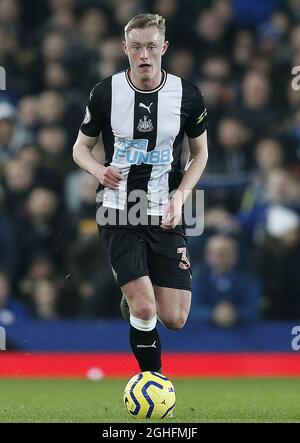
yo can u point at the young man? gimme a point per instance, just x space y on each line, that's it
143 114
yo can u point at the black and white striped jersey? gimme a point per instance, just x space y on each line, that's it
143 133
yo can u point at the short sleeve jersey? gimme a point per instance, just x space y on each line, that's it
143 134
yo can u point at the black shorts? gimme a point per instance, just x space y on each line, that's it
148 250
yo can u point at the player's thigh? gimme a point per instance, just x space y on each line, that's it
173 306
168 260
127 253
128 258
140 297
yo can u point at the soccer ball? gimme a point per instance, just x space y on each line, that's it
149 395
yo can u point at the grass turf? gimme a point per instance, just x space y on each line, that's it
198 401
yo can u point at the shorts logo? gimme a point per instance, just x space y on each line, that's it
184 262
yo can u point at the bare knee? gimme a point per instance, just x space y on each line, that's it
175 323
140 297
143 310
173 306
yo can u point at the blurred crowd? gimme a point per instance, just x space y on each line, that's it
246 265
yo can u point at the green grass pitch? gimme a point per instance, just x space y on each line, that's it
198 401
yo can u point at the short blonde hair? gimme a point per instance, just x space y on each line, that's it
145 21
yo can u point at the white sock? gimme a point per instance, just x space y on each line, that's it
143 325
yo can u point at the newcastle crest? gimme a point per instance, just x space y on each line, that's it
145 125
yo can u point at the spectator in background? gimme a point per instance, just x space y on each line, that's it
234 158
31 157
28 113
10 34
293 8
57 77
56 110
210 32
40 267
9 255
75 181
270 36
42 273
216 67
53 143
181 62
11 309
124 10
292 97
63 17
293 137
98 293
41 227
111 57
242 52
12 136
93 27
268 157
230 162
281 188
87 199
17 182
294 38
222 294
223 9
54 47
44 300
278 264
217 221
217 84
10 12
255 110
51 108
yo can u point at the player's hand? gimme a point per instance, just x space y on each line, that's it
172 212
108 176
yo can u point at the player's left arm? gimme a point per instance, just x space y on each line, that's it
196 130
196 165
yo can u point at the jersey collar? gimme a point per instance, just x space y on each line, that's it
149 91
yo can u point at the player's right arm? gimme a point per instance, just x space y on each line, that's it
83 157
94 120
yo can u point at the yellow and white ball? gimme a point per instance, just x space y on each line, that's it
149 395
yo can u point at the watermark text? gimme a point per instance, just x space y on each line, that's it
296 340
2 339
2 79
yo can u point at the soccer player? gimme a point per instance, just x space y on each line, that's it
143 114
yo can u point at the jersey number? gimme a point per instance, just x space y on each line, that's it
184 262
